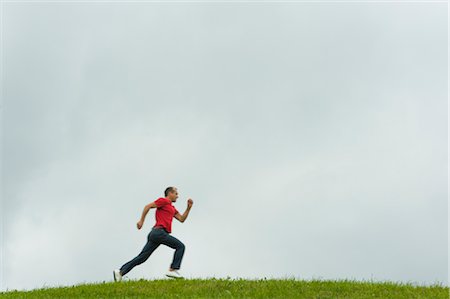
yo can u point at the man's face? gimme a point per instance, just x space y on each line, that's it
173 195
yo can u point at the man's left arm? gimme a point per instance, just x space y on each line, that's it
183 217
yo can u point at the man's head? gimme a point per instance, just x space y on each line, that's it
171 193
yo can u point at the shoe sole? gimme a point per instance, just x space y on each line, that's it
174 277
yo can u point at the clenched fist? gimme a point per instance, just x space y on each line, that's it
139 224
190 202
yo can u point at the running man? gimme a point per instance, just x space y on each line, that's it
160 234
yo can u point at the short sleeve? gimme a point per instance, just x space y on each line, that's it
160 202
176 211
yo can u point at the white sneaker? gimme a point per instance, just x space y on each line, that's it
117 275
174 274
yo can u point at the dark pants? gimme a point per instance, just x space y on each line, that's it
156 237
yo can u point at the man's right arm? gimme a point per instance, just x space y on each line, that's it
144 213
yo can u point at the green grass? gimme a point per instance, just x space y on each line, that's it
237 288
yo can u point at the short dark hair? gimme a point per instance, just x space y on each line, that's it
168 190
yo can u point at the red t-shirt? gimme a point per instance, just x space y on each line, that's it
164 213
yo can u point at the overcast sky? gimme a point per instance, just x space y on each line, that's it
311 137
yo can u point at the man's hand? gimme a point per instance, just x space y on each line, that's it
183 217
139 224
190 202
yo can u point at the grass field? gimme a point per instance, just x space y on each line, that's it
237 288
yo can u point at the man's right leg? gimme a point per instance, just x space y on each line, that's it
179 247
152 244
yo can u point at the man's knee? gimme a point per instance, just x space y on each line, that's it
181 246
143 256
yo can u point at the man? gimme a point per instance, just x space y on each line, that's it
160 234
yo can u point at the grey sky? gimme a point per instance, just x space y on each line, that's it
312 138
